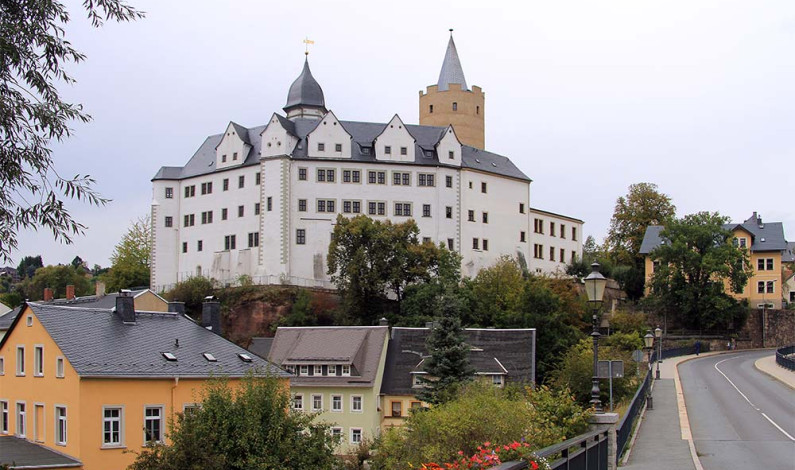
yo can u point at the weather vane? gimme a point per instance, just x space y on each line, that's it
308 41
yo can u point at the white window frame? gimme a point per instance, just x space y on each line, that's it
353 403
190 406
361 435
303 371
20 363
333 403
160 418
336 431
38 360
2 365
346 370
20 419
120 442
316 408
497 380
318 370
5 418
61 433
331 369
298 398
29 320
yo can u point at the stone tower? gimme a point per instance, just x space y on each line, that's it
450 101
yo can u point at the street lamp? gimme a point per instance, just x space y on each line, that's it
658 335
648 341
595 288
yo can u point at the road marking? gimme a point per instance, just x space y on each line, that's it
749 401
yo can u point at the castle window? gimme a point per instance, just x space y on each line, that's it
387 150
321 147
475 244
521 208
485 245
241 181
302 205
485 217
169 193
471 216
448 212
338 147
226 184
451 155
477 110
257 178
449 243
223 158
169 221
522 236
184 247
455 106
224 214
302 174
230 242
300 236
426 210
199 247
403 150
483 187
430 109
448 181
234 156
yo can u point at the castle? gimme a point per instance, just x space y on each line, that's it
262 201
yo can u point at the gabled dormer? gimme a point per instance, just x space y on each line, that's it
279 137
449 148
233 148
329 139
395 143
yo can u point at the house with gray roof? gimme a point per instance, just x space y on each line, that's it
92 383
768 252
337 373
262 201
498 356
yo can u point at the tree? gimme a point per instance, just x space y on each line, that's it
192 292
33 53
251 426
28 265
692 269
369 258
644 205
448 365
130 263
56 278
496 293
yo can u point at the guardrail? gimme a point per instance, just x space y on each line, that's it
784 357
585 452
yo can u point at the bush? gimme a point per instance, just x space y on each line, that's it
628 322
480 414
192 292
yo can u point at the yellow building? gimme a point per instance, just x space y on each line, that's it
766 247
94 384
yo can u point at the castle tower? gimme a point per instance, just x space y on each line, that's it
305 98
450 101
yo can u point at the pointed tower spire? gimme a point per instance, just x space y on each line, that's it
305 98
452 72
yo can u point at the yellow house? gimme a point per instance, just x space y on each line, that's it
143 299
95 383
766 247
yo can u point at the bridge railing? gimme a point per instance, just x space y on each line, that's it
785 357
585 452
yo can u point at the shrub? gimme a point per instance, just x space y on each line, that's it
192 292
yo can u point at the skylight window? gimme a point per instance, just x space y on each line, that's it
169 356
209 357
244 357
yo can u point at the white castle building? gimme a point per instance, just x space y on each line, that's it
263 201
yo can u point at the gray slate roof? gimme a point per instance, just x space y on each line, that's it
502 350
261 346
789 255
305 91
451 72
20 453
363 134
358 346
107 301
98 344
765 236
7 319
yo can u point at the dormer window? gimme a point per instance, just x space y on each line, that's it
332 369
346 370
304 371
318 370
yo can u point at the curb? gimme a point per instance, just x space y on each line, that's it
777 378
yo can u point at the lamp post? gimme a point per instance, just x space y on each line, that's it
648 341
595 288
658 335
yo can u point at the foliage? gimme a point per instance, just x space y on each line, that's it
307 310
11 299
34 51
481 413
489 456
644 205
628 322
56 278
497 292
130 261
28 265
247 427
692 267
448 365
591 253
576 369
369 258
191 291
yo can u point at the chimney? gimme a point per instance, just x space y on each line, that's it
47 294
211 314
383 322
100 289
70 292
125 307
177 307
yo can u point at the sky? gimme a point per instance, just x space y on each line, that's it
585 97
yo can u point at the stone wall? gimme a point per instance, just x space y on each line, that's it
778 331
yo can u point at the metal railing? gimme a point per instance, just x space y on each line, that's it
624 429
585 452
785 357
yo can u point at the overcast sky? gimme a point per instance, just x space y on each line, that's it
586 97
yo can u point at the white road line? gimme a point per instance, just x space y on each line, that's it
749 401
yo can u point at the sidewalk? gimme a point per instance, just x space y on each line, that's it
662 440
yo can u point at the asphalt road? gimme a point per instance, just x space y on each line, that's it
739 416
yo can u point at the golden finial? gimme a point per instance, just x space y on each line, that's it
308 41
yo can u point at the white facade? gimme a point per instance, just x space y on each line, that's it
262 202
555 239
